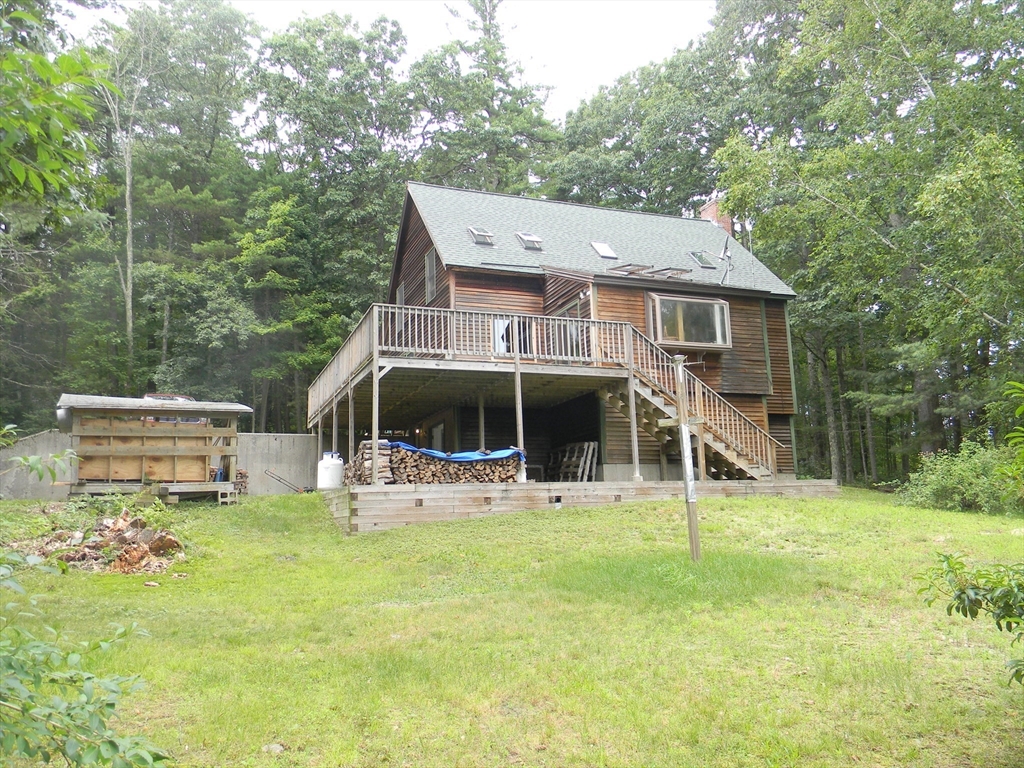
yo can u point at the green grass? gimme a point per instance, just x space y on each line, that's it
569 637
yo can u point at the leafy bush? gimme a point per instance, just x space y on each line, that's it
970 480
997 591
50 705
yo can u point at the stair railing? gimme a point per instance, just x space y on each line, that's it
721 418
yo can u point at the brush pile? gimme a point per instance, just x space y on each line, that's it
120 545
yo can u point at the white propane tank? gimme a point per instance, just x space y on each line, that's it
330 472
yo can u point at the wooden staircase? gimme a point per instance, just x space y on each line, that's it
733 447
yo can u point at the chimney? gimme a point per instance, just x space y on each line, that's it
710 212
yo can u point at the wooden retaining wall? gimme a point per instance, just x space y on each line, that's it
375 508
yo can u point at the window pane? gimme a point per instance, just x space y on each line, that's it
699 323
670 321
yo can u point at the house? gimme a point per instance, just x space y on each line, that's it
535 323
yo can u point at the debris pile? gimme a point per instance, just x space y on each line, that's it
397 465
135 547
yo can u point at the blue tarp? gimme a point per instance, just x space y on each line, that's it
465 456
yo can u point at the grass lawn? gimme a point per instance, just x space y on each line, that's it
579 637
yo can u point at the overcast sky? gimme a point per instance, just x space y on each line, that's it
572 46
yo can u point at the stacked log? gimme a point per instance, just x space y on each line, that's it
242 481
397 466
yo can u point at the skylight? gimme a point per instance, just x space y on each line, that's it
643 270
481 236
530 242
701 257
604 250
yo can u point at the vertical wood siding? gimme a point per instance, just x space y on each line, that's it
622 304
618 448
743 366
499 293
561 292
415 244
781 399
751 406
778 427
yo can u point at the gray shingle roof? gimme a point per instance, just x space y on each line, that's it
567 231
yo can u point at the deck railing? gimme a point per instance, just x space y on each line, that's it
446 334
721 417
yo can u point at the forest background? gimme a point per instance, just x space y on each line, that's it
244 191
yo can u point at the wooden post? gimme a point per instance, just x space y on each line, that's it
319 438
520 436
334 427
634 440
351 425
375 427
232 440
480 418
684 437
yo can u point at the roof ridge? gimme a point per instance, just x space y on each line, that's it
561 202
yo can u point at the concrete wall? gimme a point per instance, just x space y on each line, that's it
293 457
16 482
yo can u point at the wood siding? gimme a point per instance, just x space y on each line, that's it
499 293
622 304
563 292
778 427
781 400
415 244
751 406
617 447
744 367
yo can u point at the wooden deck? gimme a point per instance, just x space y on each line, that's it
402 363
375 508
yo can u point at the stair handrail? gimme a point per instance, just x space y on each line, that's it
723 419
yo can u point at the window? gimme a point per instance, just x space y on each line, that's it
481 236
529 242
430 269
691 322
603 250
400 295
701 257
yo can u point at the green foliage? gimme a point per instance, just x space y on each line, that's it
50 705
997 591
968 480
1014 468
43 101
52 465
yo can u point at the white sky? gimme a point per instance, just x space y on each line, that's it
572 46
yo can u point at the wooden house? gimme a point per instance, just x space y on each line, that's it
534 323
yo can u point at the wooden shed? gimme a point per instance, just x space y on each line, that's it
171 448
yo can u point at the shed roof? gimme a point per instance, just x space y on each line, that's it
567 231
100 403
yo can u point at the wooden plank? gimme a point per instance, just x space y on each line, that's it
149 429
157 450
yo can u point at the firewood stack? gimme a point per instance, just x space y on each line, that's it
242 481
398 466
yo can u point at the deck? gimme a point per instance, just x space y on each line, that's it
402 363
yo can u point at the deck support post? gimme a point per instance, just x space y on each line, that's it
520 435
351 425
634 440
319 438
684 438
334 427
480 419
375 427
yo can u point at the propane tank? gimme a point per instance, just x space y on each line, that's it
330 472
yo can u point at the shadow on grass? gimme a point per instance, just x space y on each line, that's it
670 579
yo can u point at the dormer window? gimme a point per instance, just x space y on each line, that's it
529 242
481 236
603 250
